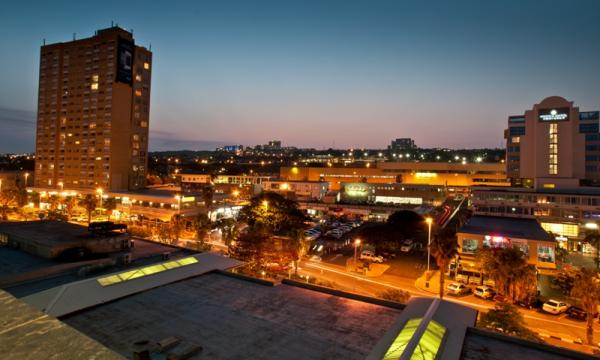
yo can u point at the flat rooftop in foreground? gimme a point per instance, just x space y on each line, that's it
27 333
485 345
237 319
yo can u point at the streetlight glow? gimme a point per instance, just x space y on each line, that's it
429 221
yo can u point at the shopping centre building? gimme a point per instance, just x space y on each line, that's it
425 173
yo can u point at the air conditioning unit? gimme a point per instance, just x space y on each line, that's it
166 255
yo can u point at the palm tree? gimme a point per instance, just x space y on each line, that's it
89 203
54 202
444 248
586 289
202 225
70 202
207 196
593 237
297 246
110 204
8 199
510 271
229 230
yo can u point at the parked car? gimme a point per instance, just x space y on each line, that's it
389 255
501 299
458 289
407 246
577 313
532 302
484 292
555 307
315 258
367 255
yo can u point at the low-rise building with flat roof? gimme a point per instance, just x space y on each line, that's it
51 239
482 232
302 190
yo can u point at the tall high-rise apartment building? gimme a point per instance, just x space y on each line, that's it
554 145
93 113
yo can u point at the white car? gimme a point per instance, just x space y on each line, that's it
484 292
407 246
367 255
315 258
555 307
458 289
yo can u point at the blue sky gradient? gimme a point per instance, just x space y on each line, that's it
325 73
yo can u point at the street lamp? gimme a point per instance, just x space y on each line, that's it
26 176
356 245
99 191
62 186
428 221
178 204
265 203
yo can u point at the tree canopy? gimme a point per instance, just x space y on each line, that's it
274 214
514 277
407 222
507 319
586 289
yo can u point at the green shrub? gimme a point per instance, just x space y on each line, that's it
396 295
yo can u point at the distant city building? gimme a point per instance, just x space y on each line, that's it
274 145
553 145
402 144
93 113
231 148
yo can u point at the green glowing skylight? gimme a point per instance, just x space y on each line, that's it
430 342
145 271
428 345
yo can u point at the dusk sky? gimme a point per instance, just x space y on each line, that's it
322 73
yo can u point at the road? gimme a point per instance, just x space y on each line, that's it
542 323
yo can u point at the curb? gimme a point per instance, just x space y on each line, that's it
345 294
567 340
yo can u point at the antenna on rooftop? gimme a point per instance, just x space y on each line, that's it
44 41
112 23
150 47
131 31
74 36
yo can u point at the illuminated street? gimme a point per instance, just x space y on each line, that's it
546 324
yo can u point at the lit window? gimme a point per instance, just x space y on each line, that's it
95 78
138 77
143 124
553 149
94 86
138 93
146 66
516 139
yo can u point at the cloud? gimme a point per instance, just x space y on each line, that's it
18 130
164 140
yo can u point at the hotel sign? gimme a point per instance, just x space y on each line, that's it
561 114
